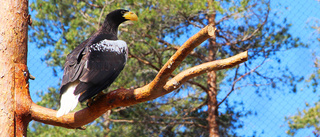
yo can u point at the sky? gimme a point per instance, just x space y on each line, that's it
272 109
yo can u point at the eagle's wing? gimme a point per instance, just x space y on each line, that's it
73 66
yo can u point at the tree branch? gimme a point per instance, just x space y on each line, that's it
177 58
172 75
196 108
158 87
144 61
183 76
247 36
171 47
235 81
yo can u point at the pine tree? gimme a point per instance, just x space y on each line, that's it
163 25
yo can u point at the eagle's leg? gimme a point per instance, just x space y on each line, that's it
91 100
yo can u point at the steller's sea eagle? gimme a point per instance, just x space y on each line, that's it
95 63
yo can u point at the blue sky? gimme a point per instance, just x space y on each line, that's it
271 112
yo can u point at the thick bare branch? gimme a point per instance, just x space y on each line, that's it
158 87
126 97
182 77
177 58
172 75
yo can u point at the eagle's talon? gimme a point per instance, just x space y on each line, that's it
89 102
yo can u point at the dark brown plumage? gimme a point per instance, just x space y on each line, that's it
95 63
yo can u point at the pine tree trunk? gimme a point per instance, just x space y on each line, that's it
212 92
212 105
212 95
14 116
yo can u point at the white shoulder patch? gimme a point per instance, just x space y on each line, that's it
118 46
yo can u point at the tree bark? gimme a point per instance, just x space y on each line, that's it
13 69
212 92
212 95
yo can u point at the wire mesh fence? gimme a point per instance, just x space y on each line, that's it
288 109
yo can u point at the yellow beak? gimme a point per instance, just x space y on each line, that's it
130 16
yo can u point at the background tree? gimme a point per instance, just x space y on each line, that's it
309 117
163 26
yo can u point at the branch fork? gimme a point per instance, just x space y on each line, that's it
160 86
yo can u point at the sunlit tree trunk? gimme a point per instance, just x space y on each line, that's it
212 92
14 115
212 95
212 105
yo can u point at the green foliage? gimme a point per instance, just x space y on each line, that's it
309 117
42 130
62 25
315 76
305 119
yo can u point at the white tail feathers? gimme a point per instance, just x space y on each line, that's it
68 100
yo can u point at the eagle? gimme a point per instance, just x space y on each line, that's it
94 64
